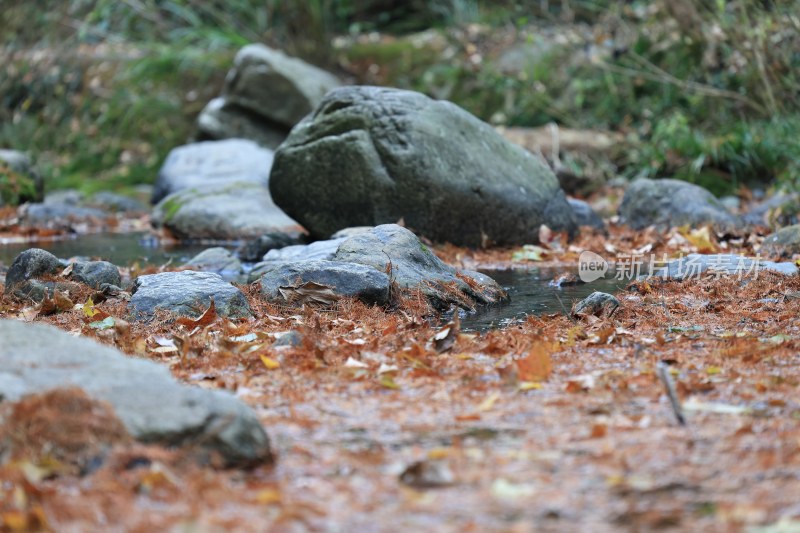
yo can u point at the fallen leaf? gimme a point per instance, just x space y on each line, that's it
428 474
536 365
446 337
271 364
208 317
528 252
107 323
309 293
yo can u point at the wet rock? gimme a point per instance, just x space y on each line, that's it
58 214
96 274
781 209
275 86
222 120
239 210
394 249
349 232
279 281
370 155
186 293
668 203
585 215
784 243
153 407
212 163
694 265
217 260
22 276
64 197
597 303
255 249
321 250
116 203
20 182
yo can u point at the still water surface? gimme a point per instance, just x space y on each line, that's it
530 290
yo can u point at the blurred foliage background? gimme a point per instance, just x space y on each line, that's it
705 90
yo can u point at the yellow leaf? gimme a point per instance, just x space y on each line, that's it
388 381
701 239
489 402
268 496
713 370
271 364
88 308
530 385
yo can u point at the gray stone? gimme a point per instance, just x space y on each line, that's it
321 250
57 215
370 155
25 184
669 203
96 274
275 86
221 120
64 197
694 265
212 163
781 209
116 202
349 232
239 210
22 276
153 407
344 279
585 215
596 303
255 249
217 260
187 293
784 243
412 265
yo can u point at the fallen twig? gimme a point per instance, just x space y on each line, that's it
663 374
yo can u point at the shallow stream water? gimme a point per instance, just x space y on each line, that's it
530 289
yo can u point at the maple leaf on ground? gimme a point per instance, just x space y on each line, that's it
208 317
536 365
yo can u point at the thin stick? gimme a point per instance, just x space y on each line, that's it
663 374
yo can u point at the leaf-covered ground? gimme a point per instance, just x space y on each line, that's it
385 420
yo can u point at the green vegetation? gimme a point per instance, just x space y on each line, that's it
15 187
101 90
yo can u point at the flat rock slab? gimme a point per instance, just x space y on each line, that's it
239 210
670 203
186 293
153 407
288 281
371 155
212 163
694 265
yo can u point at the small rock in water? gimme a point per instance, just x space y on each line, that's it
597 303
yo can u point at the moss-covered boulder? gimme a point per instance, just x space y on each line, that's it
370 155
19 180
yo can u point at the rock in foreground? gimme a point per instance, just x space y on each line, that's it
186 293
153 407
783 243
370 155
668 203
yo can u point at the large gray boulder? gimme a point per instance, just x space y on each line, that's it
212 163
668 203
370 155
23 276
186 293
19 180
281 279
153 407
221 120
274 86
233 211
